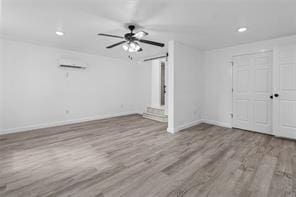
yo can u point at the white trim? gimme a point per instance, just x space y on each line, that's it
184 126
232 91
253 52
286 135
171 87
275 88
171 130
66 122
217 123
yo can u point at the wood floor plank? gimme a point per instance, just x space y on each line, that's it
132 156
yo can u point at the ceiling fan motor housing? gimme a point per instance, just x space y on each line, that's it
129 36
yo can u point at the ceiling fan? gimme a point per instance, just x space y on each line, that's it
131 40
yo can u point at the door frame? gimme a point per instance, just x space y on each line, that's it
274 88
272 83
165 61
162 84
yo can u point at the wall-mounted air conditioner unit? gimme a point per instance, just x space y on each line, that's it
72 64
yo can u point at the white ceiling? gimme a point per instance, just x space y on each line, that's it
204 24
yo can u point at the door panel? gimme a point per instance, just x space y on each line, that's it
242 97
262 84
262 104
242 110
288 114
285 86
261 110
251 92
242 81
287 77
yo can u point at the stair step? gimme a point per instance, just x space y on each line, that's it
155 111
157 117
156 114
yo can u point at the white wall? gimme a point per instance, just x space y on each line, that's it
142 81
37 93
185 86
217 101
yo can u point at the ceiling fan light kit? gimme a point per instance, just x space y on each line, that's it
131 40
131 47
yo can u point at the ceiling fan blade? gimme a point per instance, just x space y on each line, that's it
152 43
109 35
140 34
116 44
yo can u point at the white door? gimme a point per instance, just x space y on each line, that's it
285 87
252 88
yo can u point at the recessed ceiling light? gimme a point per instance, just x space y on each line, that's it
59 33
242 29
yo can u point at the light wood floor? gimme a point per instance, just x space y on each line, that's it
131 156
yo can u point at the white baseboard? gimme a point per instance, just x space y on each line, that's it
287 135
66 122
184 126
171 130
217 123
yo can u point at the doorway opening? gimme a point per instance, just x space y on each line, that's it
162 84
158 107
